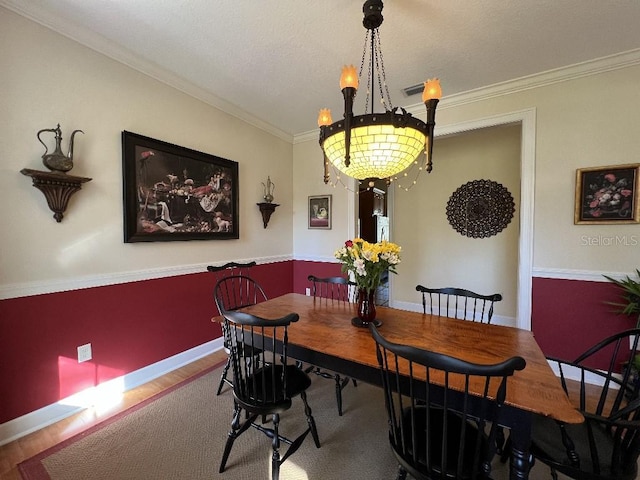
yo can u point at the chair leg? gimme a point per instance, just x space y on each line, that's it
500 440
506 451
355 384
233 434
310 420
402 474
223 377
275 443
338 394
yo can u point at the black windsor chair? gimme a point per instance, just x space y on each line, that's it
342 290
236 292
441 432
264 387
458 303
607 445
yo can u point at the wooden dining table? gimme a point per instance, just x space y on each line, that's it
325 337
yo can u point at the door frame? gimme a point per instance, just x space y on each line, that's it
527 121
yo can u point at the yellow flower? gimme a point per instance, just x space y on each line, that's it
367 261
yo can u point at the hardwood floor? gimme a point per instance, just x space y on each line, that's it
26 447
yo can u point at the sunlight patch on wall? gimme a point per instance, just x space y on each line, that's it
78 383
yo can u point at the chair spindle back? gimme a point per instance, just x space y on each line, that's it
458 303
437 427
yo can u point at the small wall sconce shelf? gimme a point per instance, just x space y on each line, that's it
56 185
57 188
267 208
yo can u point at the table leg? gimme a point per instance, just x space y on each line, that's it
520 462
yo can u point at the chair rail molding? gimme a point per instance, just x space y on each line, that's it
584 275
28 289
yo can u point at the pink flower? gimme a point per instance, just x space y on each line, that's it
625 193
147 154
596 213
348 244
593 204
610 177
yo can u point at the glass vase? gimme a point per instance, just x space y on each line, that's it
366 309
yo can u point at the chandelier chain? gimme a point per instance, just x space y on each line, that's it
364 57
380 70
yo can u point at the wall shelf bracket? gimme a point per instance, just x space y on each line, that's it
266 209
57 188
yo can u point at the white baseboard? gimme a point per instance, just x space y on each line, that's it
21 426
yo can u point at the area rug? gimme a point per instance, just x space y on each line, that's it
180 434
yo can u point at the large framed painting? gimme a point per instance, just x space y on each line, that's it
320 212
175 193
607 194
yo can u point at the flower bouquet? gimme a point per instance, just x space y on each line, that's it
367 261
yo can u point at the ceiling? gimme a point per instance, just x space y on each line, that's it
275 63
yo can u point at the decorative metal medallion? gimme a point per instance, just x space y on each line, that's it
480 209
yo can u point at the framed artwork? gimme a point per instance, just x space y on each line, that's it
174 193
320 212
607 194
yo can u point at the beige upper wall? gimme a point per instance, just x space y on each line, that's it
585 122
48 79
589 121
313 244
434 253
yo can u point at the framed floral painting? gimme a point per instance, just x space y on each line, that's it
608 194
320 212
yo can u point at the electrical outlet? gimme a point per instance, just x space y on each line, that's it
84 353
308 292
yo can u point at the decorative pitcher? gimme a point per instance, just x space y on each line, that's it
57 161
268 190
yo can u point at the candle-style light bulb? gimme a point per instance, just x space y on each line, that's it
324 117
349 77
432 90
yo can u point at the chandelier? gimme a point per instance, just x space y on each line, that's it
376 145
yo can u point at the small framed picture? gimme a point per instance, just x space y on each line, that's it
607 194
320 212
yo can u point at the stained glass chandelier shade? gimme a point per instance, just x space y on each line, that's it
376 145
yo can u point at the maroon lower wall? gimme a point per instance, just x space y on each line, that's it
569 316
129 326
137 324
302 269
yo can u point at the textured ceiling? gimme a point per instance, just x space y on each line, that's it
277 62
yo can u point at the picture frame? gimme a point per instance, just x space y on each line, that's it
607 195
320 212
176 193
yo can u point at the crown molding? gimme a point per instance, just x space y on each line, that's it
571 72
122 55
101 45
550 77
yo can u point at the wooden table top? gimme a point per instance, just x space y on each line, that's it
325 326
